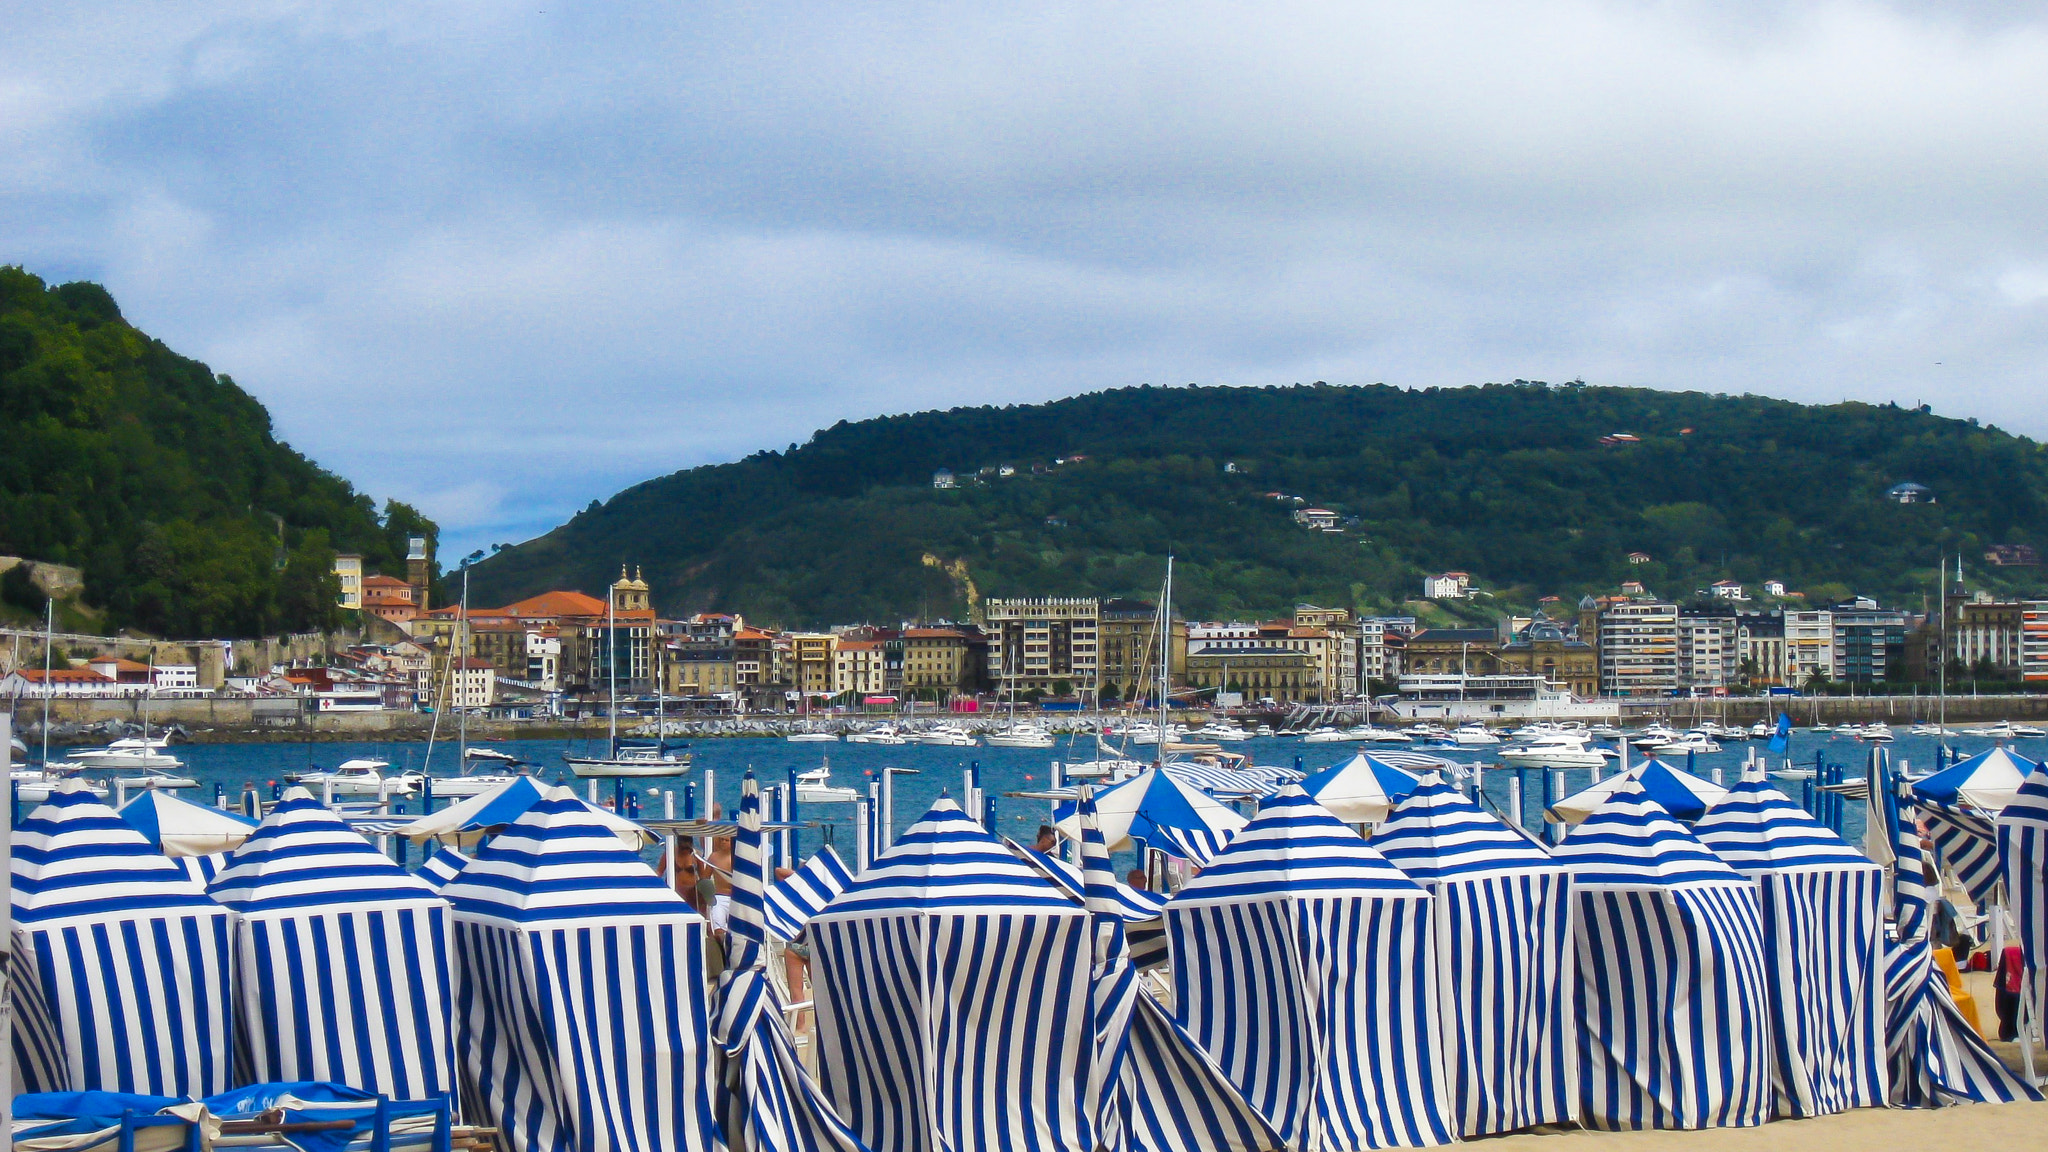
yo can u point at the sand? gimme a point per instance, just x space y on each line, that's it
1964 1127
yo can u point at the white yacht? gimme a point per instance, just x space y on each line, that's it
1552 750
155 778
1877 731
360 777
1695 742
1025 735
1761 730
884 734
471 783
631 760
816 787
945 736
1474 736
34 786
812 737
1357 735
490 754
129 752
1656 735
1605 732
1221 732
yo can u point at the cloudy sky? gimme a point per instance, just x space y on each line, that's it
501 259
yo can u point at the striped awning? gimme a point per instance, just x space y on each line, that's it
1681 794
2023 860
121 961
791 901
181 828
1503 956
343 958
1986 782
1630 841
583 981
1823 909
1362 789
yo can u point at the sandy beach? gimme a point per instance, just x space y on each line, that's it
1864 1130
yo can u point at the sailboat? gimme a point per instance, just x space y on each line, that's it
628 759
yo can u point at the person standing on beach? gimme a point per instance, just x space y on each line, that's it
2007 983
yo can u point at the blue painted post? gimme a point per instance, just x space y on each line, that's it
220 795
427 795
251 806
1806 797
988 819
276 791
619 795
1297 762
690 800
1692 757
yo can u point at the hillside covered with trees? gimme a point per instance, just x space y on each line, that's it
1526 486
163 481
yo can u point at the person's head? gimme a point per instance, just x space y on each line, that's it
1136 878
1048 837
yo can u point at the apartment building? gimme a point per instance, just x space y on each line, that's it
2034 641
1809 646
811 663
859 668
1710 652
1638 648
1127 647
1870 643
1044 644
1988 631
1760 641
943 662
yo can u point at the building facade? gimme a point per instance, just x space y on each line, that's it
1638 648
1044 644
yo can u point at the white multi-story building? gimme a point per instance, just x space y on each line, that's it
1448 586
1809 646
175 677
1710 652
1639 648
2034 641
1042 643
475 683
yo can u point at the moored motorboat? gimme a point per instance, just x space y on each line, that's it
816 787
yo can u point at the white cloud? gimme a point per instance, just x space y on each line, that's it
498 262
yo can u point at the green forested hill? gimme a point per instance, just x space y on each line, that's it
1511 483
162 480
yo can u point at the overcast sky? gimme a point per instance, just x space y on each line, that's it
498 260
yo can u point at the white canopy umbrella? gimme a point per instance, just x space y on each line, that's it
181 828
466 823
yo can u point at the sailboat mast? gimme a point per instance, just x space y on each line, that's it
611 640
49 642
1165 656
462 714
1941 669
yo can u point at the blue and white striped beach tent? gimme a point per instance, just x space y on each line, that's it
1151 1088
1503 928
1674 998
1681 794
1960 804
437 870
343 969
791 901
2023 858
466 823
122 966
1823 909
178 827
1360 790
768 1102
1163 809
1142 913
582 1013
1303 964
952 991
1936 1057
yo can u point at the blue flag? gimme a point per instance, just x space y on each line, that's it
1782 738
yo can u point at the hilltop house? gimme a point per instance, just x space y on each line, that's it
1726 590
1321 518
1448 586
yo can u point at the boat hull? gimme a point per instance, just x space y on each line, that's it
600 768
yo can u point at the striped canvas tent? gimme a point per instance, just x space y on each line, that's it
1674 1001
121 964
768 1101
466 823
1960 804
437 870
342 958
791 901
1936 1057
201 869
1360 790
1303 963
1681 794
1823 918
1503 928
582 1015
952 998
1142 913
1164 810
178 827
2023 859
1151 1088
